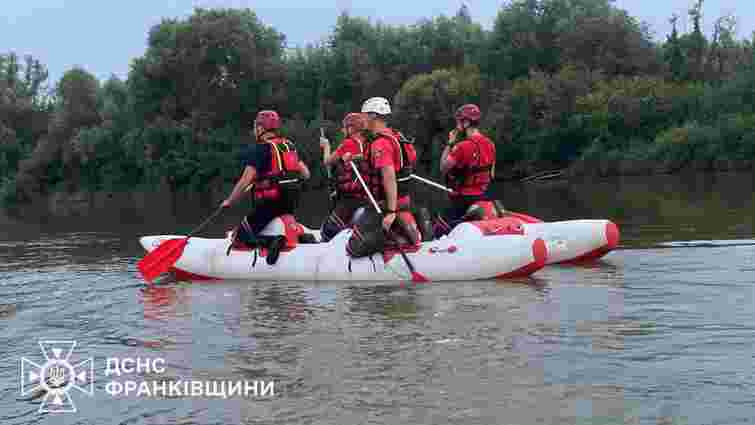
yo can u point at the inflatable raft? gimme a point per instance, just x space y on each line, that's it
467 253
569 241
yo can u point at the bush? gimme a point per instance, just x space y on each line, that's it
10 155
692 141
738 136
8 190
629 108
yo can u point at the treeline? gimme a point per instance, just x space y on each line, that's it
560 82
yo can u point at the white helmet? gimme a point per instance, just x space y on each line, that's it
377 105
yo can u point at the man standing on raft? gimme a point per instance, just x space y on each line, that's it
349 195
273 166
390 162
468 163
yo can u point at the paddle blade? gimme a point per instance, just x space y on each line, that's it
419 278
161 259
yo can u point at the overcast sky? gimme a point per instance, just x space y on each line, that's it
103 36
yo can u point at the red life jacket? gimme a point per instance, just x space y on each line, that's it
347 184
407 162
284 170
479 173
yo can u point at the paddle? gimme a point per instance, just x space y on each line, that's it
325 151
416 277
165 256
325 147
501 211
431 183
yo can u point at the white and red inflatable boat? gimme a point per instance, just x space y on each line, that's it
569 241
469 252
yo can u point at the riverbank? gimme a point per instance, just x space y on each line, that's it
654 200
629 167
68 202
616 168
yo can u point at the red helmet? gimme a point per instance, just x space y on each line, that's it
356 120
268 120
468 112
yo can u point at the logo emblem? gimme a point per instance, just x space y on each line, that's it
57 376
451 249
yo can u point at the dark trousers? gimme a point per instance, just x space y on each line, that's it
263 214
459 206
453 215
341 216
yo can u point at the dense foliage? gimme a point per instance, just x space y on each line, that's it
560 81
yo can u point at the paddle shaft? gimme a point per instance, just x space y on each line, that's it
431 183
325 152
204 223
377 207
501 211
366 189
212 217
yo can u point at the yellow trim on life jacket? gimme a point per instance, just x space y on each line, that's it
278 156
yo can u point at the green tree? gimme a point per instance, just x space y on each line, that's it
673 54
695 44
55 158
425 104
615 44
217 67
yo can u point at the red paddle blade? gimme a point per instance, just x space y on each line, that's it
419 278
161 259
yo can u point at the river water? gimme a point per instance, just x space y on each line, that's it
658 332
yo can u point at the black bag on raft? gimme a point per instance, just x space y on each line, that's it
367 237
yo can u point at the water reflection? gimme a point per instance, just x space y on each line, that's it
389 301
163 302
262 304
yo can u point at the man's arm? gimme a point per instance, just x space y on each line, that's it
330 158
304 170
246 179
346 152
446 163
391 187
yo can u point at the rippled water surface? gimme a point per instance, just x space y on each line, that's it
659 331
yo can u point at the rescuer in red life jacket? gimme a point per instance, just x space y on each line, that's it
390 161
349 195
468 162
273 166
